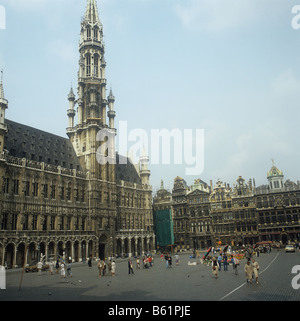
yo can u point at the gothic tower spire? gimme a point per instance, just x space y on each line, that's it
92 101
91 14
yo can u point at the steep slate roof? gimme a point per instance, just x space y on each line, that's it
33 144
126 172
23 141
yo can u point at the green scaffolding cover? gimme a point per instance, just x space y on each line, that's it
163 227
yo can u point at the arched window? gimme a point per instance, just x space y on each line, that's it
96 66
88 33
95 33
88 65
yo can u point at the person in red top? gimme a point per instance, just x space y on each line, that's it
150 260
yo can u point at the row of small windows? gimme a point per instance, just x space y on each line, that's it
41 147
93 67
49 140
9 222
276 184
89 33
47 190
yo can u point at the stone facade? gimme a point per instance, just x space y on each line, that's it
73 197
206 215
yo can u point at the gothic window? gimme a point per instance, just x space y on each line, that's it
16 186
34 222
68 223
82 194
14 222
96 66
52 222
96 33
88 65
45 224
27 188
62 224
35 189
53 191
76 190
69 192
25 223
4 221
62 193
45 190
88 33
6 185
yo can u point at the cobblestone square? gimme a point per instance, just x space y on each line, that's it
183 283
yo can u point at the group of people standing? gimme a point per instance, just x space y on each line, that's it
251 267
147 261
61 268
223 259
103 266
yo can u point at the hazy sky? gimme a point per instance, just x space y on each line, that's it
230 67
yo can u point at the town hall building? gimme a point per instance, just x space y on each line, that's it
73 196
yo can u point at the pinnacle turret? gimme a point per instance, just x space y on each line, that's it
3 101
3 107
71 95
1 86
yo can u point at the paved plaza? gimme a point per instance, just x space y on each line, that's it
180 283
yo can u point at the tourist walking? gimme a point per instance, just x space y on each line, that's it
249 271
255 270
99 266
62 270
167 261
257 252
39 267
51 267
215 267
170 261
113 268
57 266
225 263
130 267
109 266
235 264
90 262
220 261
104 267
69 273
138 263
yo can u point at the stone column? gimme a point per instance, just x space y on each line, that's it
46 252
129 248
136 246
15 256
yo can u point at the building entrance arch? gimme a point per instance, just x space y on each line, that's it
103 240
